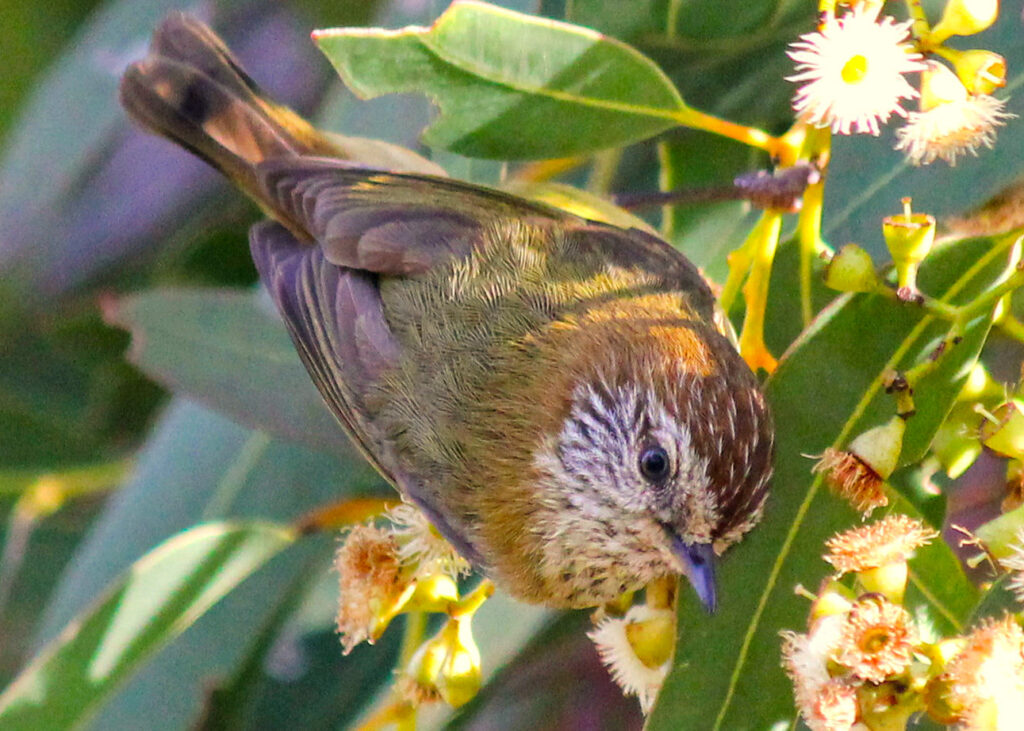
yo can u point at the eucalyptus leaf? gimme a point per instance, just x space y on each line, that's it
827 388
199 466
997 601
230 350
511 86
163 593
79 197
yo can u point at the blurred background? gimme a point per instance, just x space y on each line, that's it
112 241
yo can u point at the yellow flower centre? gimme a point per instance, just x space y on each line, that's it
875 640
855 69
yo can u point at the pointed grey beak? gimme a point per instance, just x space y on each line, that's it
699 562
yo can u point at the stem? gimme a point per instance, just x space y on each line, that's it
1012 327
755 293
740 261
412 638
473 601
747 135
603 170
343 514
989 298
809 236
401 713
920 29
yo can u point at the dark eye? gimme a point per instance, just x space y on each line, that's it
654 463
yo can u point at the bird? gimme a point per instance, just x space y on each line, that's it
557 395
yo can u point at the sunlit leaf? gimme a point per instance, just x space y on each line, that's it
828 387
510 85
163 593
230 350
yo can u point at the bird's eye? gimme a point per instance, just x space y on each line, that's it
654 463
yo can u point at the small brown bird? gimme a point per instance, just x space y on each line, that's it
551 391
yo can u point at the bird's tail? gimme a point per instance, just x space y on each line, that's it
191 90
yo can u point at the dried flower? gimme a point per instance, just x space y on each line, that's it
805 659
835 707
951 122
1014 563
877 640
628 647
858 474
890 540
421 547
852 71
986 679
373 586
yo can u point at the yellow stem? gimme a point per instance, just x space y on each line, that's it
602 171
817 144
661 593
755 293
741 133
740 261
415 627
343 513
809 237
473 601
920 29
1012 327
400 713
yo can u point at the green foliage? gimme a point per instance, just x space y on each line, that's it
154 608
503 84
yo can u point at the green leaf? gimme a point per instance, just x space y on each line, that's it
827 388
995 603
230 350
199 466
163 593
511 86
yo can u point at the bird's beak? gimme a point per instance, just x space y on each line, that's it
699 565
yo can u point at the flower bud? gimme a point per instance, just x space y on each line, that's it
653 639
956 442
1003 429
446 666
834 598
981 71
964 18
460 676
909 237
418 681
939 85
890 580
858 474
879 448
433 593
851 270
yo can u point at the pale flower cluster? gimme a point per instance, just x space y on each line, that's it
866 664
852 75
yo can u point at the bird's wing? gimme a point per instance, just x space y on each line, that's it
402 224
388 223
336 320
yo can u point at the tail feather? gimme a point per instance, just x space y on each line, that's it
192 90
